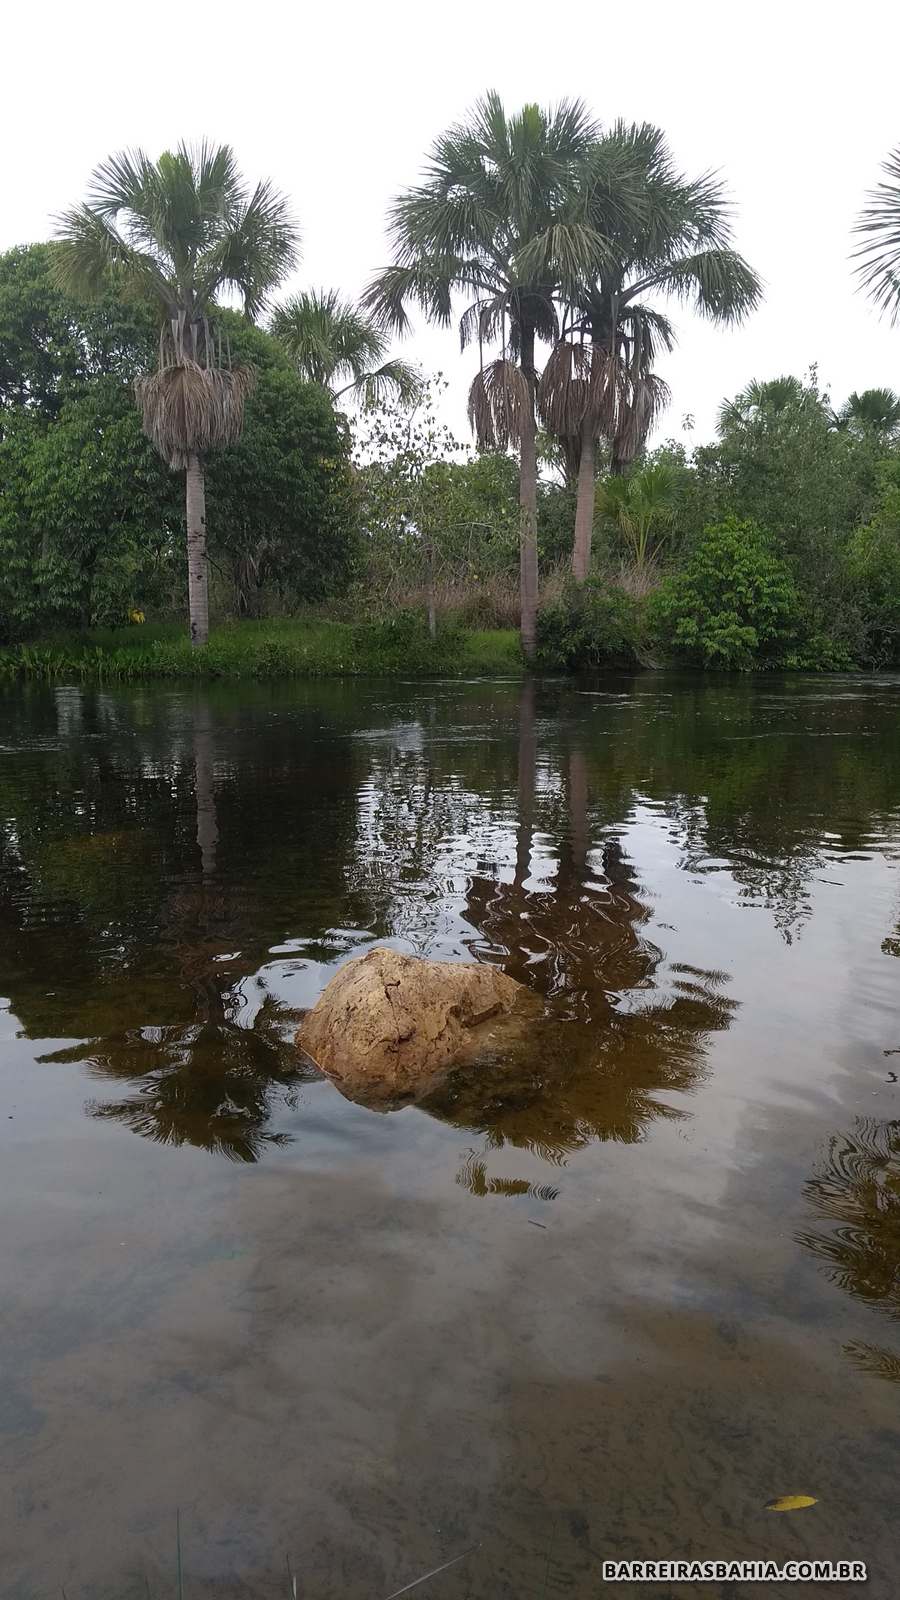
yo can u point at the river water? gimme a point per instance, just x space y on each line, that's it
601 1297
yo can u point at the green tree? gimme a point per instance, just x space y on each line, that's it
179 232
91 520
768 404
282 500
661 235
339 346
779 461
488 221
88 519
873 560
51 345
734 604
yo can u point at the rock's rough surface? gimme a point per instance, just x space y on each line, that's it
387 1025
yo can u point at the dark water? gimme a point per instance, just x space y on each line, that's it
602 1298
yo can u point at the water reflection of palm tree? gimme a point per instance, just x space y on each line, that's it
209 1083
205 790
855 1188
596 1066
205 1070
207 1080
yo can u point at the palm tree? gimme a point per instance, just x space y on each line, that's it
179 232
335 344
764 400
641 505
873 412
487 220
676 244
878 255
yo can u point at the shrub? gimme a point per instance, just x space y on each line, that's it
733 605
590 625
873 561
402 643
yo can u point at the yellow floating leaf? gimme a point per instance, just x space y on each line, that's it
791 1502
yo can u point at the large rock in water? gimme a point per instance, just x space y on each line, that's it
388 1025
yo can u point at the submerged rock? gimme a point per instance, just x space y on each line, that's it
388 1025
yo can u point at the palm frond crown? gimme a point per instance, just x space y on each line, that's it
336 344
874 411
481 222
763 400
180 232
878 228
662 235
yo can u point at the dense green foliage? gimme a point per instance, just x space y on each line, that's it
178 234
92 521
52 345
782 537
873 562
733 604
590 625
86 514
281 507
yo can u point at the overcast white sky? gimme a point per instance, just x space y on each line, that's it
797 103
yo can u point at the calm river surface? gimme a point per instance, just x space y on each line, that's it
603 1298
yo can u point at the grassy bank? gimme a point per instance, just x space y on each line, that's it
308 647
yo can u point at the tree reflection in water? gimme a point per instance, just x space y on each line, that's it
595 1067
154 845
148 868
127 931
208 1082
856 1189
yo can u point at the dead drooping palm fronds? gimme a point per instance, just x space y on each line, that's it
499 402
581 382
647 397
188 409
585 384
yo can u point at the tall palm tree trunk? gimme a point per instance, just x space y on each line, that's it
528 559
198 571
584 505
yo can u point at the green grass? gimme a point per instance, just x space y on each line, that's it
311 647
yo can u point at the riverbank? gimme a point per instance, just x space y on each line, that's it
285 648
